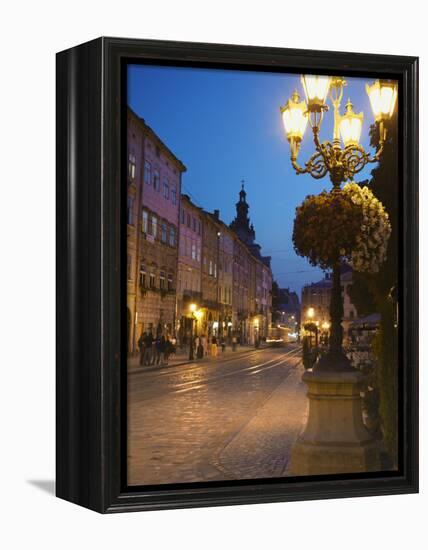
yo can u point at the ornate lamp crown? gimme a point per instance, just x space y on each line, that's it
340 163
350 126
295 117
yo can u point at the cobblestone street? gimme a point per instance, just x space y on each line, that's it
233 418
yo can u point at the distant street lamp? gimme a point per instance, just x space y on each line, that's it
194 316
340 162
310 312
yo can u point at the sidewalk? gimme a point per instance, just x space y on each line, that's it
182 358
262 448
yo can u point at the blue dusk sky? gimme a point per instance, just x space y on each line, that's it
225 126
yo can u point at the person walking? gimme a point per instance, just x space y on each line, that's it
204 345
223 344
234 342
168 348
214 346
141 348
199 349
148 344
157 350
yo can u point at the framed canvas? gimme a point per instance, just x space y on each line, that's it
237 278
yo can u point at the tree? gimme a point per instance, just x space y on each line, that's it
372 292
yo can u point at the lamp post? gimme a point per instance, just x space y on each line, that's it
335 439
310 314
192 309
341 162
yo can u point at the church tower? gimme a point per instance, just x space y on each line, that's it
241 223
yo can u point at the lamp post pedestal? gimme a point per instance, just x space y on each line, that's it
335 439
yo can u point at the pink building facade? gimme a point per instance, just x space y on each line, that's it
155 226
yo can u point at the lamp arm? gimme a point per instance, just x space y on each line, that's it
317 143
381 146
297 167
377 155
316 166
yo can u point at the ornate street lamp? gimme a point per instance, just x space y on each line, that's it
335 438
341 162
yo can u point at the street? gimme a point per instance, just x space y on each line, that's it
225 418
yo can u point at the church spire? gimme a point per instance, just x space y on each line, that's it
241 223
242 193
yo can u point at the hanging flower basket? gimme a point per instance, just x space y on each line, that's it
326 228
372 239
347 224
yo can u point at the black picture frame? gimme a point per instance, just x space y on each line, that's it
90 379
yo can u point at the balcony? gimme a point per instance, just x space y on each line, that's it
192 296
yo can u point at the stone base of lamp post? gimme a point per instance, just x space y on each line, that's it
335 439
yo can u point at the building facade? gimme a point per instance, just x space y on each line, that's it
252 283
189 284
155 222
286 309
179 254
316 302
209 278
134 179
225 240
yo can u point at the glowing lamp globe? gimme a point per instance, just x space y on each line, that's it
383 97
316 90
295 117
350 126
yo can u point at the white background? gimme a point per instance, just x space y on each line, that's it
30 33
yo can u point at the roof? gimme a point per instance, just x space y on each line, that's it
157 139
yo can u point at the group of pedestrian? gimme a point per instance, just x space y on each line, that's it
155 350
208 346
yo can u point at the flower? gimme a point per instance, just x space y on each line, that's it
326 227
345 224
372 244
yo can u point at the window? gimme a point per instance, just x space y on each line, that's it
166 188
211 268
143 275
129 267
183 216
145 221
215 270
147 172
172 236
156 180
154 226
152 280
163 233
157 151
162 280
194 225
188 219
174 195
130 211
198 255
199 228
193 251
169 281
131 166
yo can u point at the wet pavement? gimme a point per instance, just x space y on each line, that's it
235 417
